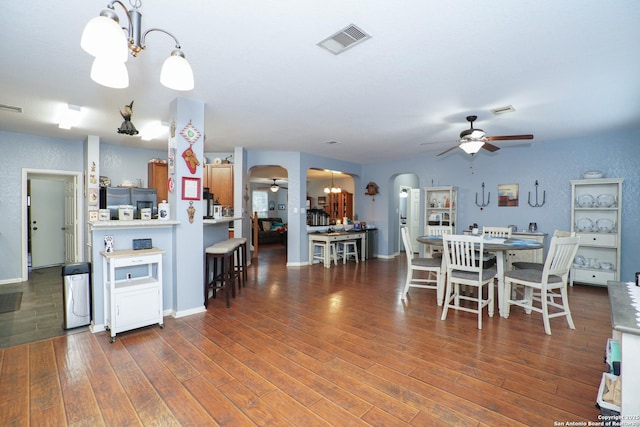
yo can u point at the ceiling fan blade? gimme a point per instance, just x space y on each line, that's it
490 147
508 137
449 149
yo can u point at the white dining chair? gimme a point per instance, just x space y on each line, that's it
420 271
498 232
552 277
464 267
437 230
540 265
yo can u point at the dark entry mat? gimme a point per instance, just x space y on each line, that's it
10 302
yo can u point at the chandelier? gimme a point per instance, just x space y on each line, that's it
333 188
111 44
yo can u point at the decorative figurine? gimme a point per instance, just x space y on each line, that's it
191 212
127 126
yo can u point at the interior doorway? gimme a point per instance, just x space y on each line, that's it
52 232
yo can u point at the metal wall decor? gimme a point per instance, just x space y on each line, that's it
537 204
483 204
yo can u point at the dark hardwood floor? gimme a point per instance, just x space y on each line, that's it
314 346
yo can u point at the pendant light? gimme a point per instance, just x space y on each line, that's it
110 44
333 188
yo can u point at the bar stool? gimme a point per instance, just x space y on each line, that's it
350 248
221 253
320 256
240 253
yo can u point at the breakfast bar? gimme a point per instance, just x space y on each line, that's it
334 237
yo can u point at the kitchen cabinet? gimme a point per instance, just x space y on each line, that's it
157 176
339 205
596 215
440 204
219 179
132 281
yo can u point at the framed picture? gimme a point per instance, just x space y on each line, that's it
322 200
190 188
281 207
508 195
272 205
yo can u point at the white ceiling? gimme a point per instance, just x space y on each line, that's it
570 68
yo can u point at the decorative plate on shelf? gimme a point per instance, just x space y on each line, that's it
584 224
605 225
585 201
606 266
606 200
592 175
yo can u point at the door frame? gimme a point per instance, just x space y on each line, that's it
79 230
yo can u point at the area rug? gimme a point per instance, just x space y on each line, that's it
10 302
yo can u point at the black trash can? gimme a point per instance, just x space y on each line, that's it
76 290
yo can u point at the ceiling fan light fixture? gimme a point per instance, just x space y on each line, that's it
274 187
472 147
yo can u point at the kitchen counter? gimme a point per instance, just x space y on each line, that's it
136 223
222 220
627 332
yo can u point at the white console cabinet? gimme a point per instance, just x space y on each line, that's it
132 289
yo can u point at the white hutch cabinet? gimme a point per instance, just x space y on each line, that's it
596 214
440 204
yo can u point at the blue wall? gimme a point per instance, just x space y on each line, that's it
553 164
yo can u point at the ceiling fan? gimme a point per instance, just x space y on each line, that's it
473 139
275 186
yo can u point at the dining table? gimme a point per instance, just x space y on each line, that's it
498 246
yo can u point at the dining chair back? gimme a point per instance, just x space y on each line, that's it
554 276
540 265
504 232
465 267
422 272
437 230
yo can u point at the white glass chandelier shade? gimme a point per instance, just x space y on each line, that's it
472 147
176 72
110 73
103 38
275 188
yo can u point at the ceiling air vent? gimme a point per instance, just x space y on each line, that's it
503 110
344 39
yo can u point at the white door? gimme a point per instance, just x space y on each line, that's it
70 221
413 212
47 222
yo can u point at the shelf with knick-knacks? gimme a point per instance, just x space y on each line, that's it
440 206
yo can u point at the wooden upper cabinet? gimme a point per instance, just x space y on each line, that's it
157 175
339 205
219 179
